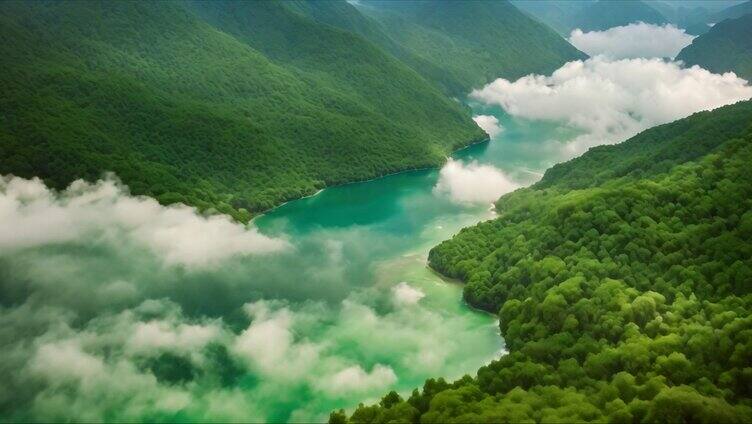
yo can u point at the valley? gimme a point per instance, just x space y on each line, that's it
367 211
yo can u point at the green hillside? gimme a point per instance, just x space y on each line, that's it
726 47
610 13
465 44
651 152
198 108
592 15
732 12
698 16
343 15
622 298
558 14
694 16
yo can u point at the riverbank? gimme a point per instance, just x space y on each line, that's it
487 139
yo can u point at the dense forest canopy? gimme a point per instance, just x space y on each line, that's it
622 285
238 106
463 44
187 109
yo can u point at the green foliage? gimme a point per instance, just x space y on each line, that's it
726 47
652 152
592 15
464 44
606 14
626 299
188 103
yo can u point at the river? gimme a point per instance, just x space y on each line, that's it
362 248
344 313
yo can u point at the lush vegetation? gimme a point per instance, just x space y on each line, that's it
229 106
623 298
564 15
605 14
726 47
463 44
558 14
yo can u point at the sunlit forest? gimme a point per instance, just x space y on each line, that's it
622 282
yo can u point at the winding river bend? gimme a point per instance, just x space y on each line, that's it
361 249
343 312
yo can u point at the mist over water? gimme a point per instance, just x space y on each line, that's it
338 308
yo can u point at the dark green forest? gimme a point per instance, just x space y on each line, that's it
186 111
463 44
622 283
233 107
726 47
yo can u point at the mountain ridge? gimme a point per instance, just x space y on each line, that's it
727 46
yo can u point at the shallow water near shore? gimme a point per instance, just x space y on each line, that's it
371 242
347 311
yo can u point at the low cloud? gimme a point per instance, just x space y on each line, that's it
112 362
356 379
269 346
32 215
96 327
633 41
610 101
472 183
489 124
405 294
158 335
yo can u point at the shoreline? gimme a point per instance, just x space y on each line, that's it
458 282
487 139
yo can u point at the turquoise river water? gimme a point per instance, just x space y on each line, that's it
367 244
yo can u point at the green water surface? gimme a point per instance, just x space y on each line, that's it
347 313
361 240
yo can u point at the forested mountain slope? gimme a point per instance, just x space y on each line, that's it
736 11
696 17
726 47
605 14
341 14
465 44
592 15
208 111
652 152
626 299
558 14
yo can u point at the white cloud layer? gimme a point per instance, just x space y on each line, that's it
161 335
268 345
472 183
33 215
356 379
405 294
489 124
610 101
633 41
